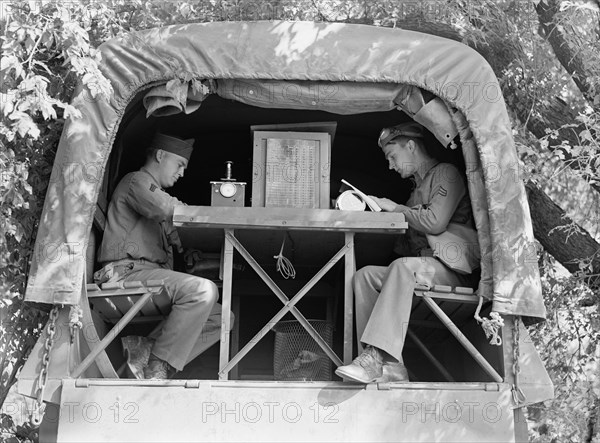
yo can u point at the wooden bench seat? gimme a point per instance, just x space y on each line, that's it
457 303
113 300
118 303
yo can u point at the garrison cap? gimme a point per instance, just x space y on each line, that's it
173 144
408 129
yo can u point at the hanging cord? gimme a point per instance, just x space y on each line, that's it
491 326
517 394
284 266
75 315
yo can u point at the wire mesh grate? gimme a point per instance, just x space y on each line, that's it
297 356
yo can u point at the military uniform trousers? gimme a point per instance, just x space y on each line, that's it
383 298
194 324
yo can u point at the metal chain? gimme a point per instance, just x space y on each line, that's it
517 393
38 409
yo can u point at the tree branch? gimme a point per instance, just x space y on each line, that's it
570 56
567 247
551 114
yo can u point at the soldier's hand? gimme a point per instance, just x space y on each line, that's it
386 204
191 257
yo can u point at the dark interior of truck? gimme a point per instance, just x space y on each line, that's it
221 129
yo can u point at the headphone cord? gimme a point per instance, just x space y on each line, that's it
284 266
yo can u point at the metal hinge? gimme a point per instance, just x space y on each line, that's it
82 383
383 386
492 387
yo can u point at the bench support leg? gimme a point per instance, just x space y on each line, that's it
464 341
430 356
113 333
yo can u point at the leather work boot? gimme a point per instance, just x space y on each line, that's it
158 369
393 372
366 368
136 350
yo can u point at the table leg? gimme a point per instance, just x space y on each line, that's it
289 305
226 305
235 335
349 270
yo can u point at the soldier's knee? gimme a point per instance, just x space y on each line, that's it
364 277
205 291
213 291
363 274
402 264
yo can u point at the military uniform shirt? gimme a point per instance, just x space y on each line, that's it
139 222
440 197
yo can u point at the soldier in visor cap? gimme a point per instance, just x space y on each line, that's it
138 245
438 211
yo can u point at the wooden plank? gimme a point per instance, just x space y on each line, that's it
450 308
442 288
458 298
122 292
162 303
349 271
146 319
124 304
226 305
419 310
440 367
287 218
329 127
234 336
105 308
149 309
422 318
431 335
132 284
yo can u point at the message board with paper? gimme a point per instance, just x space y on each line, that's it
291 169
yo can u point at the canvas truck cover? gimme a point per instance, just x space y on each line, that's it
373 67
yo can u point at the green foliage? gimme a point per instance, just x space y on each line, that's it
44 54
13 433
568 344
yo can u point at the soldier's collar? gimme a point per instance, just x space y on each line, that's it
424 169
143 169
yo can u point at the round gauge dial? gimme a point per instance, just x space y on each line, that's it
228 190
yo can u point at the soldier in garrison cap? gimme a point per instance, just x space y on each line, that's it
440 247
138 245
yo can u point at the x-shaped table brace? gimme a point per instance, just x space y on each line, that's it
231 242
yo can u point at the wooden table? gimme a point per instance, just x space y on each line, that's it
199 226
